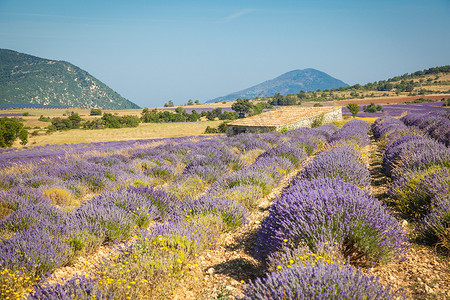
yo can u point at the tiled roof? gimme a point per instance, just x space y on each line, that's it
282 116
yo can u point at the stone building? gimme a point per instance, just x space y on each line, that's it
285 118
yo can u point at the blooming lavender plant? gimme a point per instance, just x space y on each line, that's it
355 131
21 196
34 250
233 214
386 124
44 214
435 227
343 162
415 190
321 281
400 147
78 287
291 151
331 211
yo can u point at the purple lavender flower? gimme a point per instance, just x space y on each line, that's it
44 214
354 131
21 196
291 151
435 227
81 288
35 250
340 162
321 281
329 210
386 124
415 190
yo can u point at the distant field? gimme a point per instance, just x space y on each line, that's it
391 100
144 131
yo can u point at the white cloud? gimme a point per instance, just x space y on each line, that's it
236 15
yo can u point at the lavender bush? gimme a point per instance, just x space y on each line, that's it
331 211
343 162
232 213
290 151
81 288
35 251
435 227
355 131
414 191
321 281
385 124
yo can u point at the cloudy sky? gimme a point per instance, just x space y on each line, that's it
154 51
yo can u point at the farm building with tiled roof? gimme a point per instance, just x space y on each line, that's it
285 118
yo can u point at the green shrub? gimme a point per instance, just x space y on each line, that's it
96 112
12 129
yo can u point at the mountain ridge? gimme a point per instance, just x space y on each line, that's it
28 79
291 82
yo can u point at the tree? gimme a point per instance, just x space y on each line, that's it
196 102
96 112
242 107
354 109
190 102
75 119
10 130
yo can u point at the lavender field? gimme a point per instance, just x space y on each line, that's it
396 110
157 205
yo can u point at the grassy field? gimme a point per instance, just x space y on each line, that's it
144 131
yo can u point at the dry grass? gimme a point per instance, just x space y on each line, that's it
143 131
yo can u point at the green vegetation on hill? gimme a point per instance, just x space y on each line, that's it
403 83
27 79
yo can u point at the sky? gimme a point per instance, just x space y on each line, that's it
151 52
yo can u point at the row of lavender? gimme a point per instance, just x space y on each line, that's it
419 168
323 220
117 215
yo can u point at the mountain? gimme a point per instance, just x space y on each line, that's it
27 79
289 83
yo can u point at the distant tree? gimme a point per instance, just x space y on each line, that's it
372 108
210 129
302 95
354 109
96 112
242 107
25 114
196 102
170 103
75 119
179 110
190 102
44 119
10 130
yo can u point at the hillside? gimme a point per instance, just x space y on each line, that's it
27 79
289 83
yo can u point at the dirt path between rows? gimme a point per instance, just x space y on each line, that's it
424 271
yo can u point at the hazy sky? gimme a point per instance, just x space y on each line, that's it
154 51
